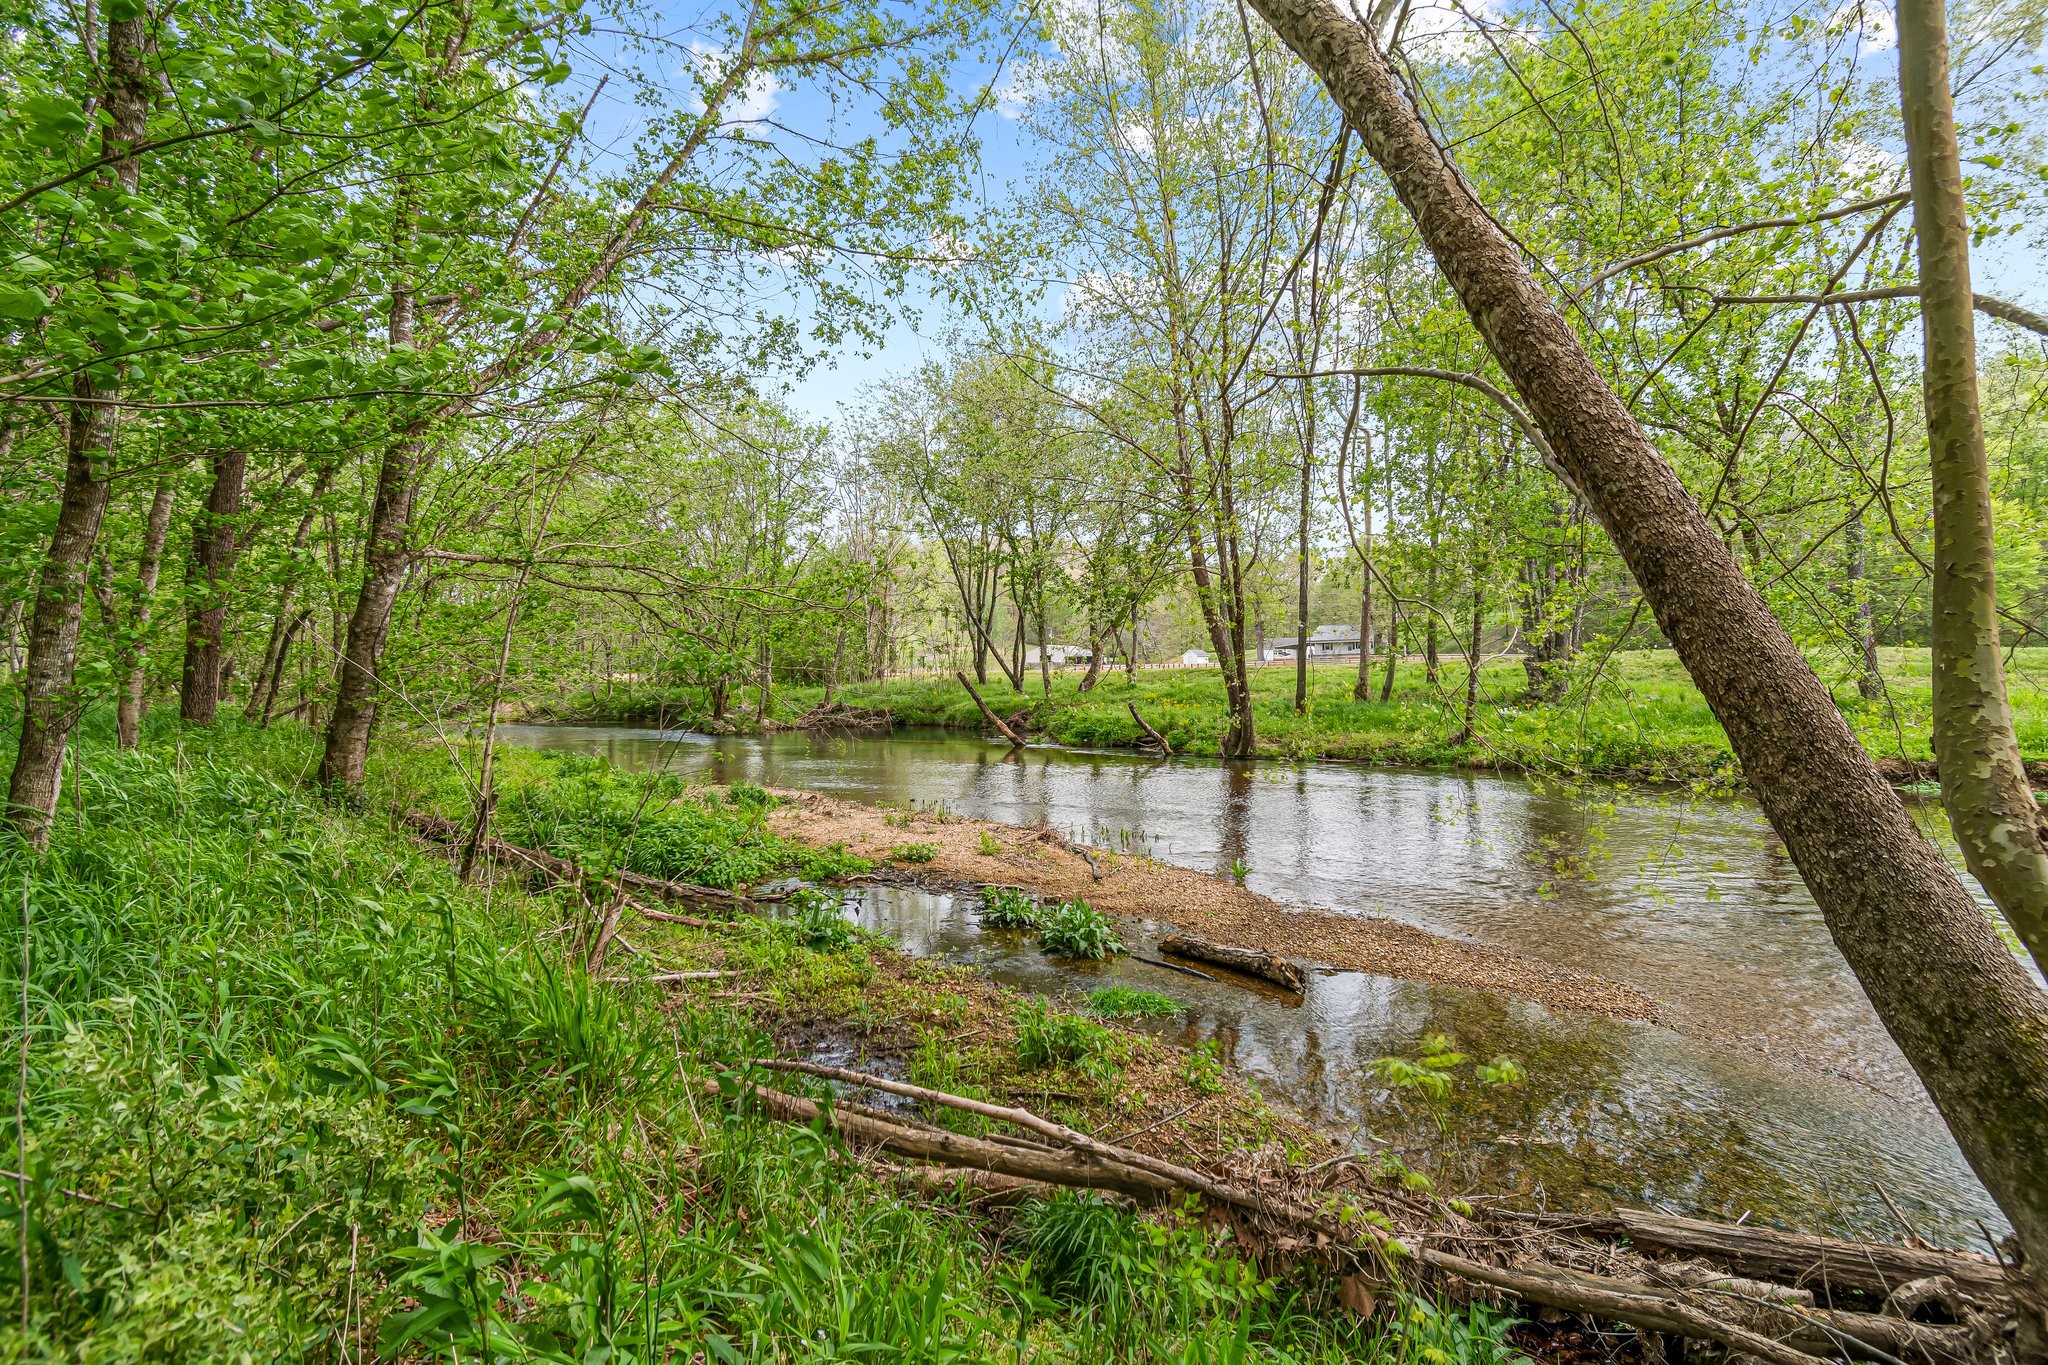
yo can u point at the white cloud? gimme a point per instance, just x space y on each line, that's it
1012 101
755 99
1874 24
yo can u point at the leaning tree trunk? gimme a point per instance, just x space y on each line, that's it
128 707
1983 784
49 704
385 559
215 542
1961 1007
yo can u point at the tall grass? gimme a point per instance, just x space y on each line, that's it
293 1093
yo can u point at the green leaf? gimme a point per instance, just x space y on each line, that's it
22 303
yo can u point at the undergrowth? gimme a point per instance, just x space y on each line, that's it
295 1093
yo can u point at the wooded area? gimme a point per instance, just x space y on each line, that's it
387 371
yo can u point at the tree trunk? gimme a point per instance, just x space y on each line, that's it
284 624
1094 673
1301 588
1983 784
1362 689
128 707
1016 669
1862 610
215 543
49 707
385 559
1473 659
1044 652
1961 1007
276 675
1393 649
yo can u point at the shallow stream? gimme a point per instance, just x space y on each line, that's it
1773 1091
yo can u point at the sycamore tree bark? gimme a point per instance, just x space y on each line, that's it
215 544
1960 1005
1983 784
49 704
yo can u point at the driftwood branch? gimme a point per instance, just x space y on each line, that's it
1773 1330
1157 740
1251 961
988 713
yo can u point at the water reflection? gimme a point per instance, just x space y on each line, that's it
1609 1112
1778 1087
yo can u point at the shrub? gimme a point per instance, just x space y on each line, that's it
1077 929
1122 1002
914 853
1005 907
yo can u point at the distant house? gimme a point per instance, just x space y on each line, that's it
1324 642
1195 658
1059 655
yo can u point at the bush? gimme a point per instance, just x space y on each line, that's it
1077 929
1122 1002
1005 907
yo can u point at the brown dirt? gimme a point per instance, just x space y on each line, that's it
1042 860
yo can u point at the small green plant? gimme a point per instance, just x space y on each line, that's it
1204 1070
914 853
747 796
1084 1250
991 847
1239 869
1077 929
818 922
1122 1002
1006 907
1048 1038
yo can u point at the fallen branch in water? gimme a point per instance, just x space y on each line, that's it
1158 740
1251 961
1002 726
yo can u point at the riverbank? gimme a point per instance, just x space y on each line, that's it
294 1088
1641 720
949 850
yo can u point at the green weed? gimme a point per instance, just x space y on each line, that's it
1077 929
1006 907
1122 1002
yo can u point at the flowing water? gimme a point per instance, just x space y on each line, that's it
1773 1090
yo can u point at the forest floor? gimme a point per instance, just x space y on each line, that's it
947 850
293 1089
1639 718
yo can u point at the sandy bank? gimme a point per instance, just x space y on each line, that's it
1043 861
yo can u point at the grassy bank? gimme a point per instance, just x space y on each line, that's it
295 1093
1643 718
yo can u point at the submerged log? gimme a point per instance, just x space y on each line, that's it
1251 961
988 714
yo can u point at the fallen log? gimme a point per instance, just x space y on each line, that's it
687 892
1618 1301
1251 961
1090 1163
1802 1259
988 713
839 715
1158 740
957 1149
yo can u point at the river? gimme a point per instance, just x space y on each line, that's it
1772 1090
